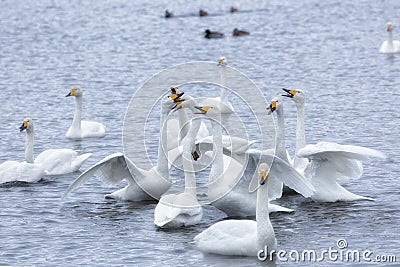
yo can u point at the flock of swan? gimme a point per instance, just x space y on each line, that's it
242 180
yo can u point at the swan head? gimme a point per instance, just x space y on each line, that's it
297 95
27 125
175 93
75 91
275 104
203 109
262 172
222 61
389 26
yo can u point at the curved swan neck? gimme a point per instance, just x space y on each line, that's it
217 167
280 150
76 122
190 177
29 140
222 74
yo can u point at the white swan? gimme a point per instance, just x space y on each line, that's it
390 46
325 162
225 191
224 105
248 237
183 209
116 168
54 161
82 129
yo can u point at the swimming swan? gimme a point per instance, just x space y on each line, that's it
54 161
390 46
183 209
13 171
82 129
224 106
115 168
325 162
248 237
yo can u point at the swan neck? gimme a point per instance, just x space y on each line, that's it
300 131
76 122
190 177
390 37
162 160
183 123
217 167
29 140
262 215
280 136
222 74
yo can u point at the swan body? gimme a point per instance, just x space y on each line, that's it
53 161
80 128
390 46
248 237
326 163
142 184
14 171
182 209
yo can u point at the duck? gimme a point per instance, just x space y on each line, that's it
79 128
390 46
233 9
237 32
168 14
212 35
324 164
203 13
249 237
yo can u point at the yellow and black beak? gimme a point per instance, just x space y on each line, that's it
272 107
175 94
289 93
71 93
203 110
389 27
23 126
178 104
221 61
263 177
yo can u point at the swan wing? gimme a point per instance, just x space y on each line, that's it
229 237
111 170
92 129
341 161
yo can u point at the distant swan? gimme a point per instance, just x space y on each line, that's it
325 162
116 168
79 128
182 209
390 46
248 237
222 101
